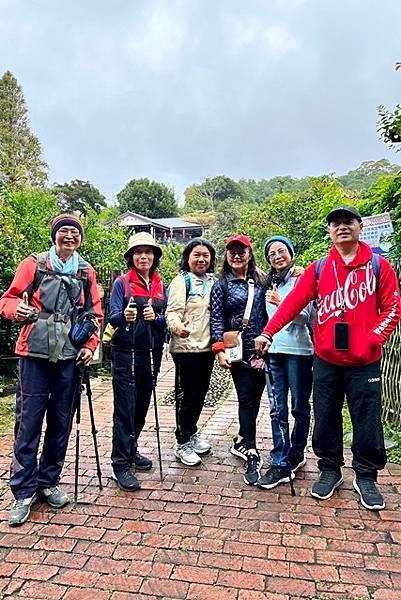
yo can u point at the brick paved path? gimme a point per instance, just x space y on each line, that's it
202 534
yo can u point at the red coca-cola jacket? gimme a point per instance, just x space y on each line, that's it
372 308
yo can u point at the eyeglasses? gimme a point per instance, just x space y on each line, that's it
280 252
237 251
72 230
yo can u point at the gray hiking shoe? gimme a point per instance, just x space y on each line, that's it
200 444
187 455
20 511
55 497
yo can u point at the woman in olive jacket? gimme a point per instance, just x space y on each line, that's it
188 319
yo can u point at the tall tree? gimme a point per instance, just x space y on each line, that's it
206 196
79 196
148 198
20 150
366 175
389 126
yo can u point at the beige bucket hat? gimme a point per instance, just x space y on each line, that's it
142 239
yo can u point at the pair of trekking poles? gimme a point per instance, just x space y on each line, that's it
131 327
83 380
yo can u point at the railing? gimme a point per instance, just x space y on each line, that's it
391 363
391 371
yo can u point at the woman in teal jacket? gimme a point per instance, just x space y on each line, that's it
290 364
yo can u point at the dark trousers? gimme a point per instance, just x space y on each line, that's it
43 388
192 378
132 394
362 387
293 373
249 384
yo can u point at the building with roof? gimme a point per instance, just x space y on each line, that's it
163 230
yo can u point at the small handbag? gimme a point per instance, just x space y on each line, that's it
233 345
233 339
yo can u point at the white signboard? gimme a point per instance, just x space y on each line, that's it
376 231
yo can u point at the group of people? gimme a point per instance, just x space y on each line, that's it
276 329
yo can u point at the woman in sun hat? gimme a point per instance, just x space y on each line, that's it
136 310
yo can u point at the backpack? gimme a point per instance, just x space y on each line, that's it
375 265
41 270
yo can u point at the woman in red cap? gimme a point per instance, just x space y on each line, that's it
238 304
48 290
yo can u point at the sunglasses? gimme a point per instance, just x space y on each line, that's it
237 251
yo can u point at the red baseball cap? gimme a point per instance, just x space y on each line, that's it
240 239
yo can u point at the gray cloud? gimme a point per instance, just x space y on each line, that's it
179 90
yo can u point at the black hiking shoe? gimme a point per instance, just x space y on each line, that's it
142 463
369 494
254 464
275 475
297 460
238 449
328 481
126 480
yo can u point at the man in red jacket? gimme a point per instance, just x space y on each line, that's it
358 308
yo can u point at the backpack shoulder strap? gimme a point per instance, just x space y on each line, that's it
40 272
376 266
127 287
187 281
319 266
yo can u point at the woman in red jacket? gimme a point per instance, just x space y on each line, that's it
47 291
140 333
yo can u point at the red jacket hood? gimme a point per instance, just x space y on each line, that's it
362 256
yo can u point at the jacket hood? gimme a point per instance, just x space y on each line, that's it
363 256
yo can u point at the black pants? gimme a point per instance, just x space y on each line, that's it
249 384
131 403
362 387
43 389
192 378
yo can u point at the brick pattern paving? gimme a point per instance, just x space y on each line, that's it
202 534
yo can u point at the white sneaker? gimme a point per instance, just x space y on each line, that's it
187 455
200 444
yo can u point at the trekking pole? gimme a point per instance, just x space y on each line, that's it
77 401
157 426
93 426
131 327
273 393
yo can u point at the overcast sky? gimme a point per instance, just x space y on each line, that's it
180 90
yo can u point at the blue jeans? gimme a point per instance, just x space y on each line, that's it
290 373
